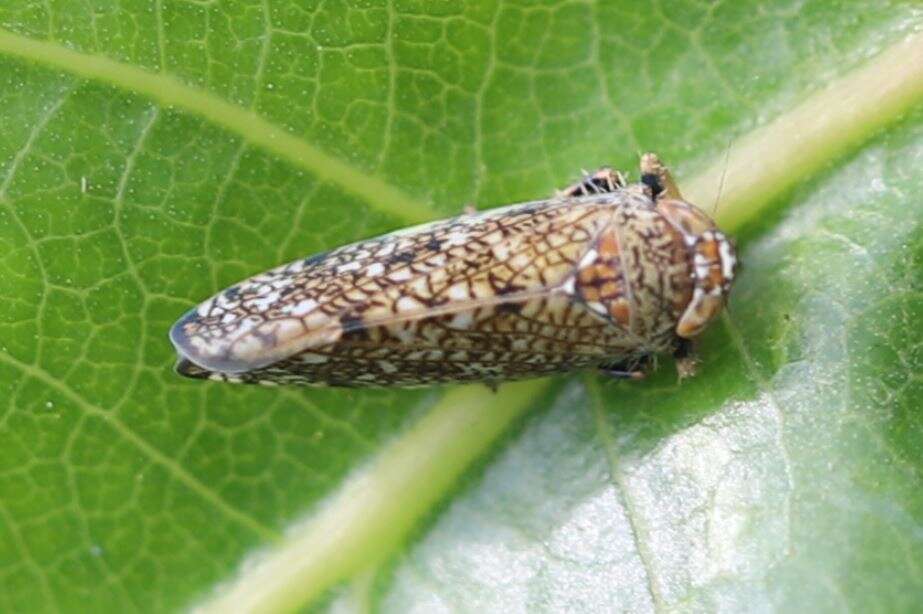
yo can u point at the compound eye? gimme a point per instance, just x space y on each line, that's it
714 264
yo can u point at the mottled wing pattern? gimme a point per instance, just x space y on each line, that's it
603 275
477 297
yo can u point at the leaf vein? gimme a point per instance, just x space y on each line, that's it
145 447
766 389
621 485
170 91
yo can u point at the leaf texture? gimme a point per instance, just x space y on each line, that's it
152 155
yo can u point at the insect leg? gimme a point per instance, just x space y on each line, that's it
186 367
636 369
658 178
687 362
602 181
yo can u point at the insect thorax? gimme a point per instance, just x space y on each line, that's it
637 275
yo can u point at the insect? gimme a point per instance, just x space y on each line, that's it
603 275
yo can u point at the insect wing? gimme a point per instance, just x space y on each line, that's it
456 267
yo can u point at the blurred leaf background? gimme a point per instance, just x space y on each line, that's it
786 476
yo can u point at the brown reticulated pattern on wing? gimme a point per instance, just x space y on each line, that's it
474 298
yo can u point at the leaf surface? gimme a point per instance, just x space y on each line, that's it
150 156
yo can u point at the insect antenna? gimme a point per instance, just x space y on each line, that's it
727 157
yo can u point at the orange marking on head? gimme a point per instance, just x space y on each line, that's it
609 290
620 310
605 271
590 293
709 249
586 275
608 246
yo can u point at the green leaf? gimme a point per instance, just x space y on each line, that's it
154 153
